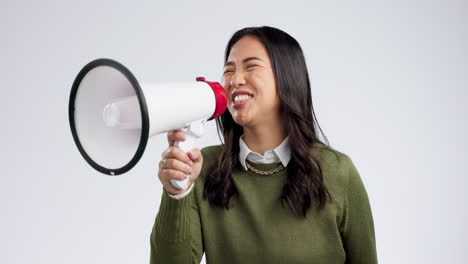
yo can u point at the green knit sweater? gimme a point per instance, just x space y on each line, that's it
258 229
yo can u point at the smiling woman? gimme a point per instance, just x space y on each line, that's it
272 192
280 106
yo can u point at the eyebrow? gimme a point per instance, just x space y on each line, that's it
243 61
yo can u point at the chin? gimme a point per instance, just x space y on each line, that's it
241 117
243 122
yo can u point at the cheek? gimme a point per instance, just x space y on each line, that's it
224 83
265 87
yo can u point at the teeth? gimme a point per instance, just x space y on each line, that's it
241 97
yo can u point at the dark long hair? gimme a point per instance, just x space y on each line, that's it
304 175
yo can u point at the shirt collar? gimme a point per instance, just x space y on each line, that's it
283 152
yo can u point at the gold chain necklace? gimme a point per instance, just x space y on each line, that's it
268 172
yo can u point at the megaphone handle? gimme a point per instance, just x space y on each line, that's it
193 131
186 146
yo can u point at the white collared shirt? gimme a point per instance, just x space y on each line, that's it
281 153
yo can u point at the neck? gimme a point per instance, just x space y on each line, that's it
263 138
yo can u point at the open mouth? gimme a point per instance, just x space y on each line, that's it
241 99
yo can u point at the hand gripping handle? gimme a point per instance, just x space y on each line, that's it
192 132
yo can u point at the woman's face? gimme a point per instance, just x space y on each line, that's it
249 82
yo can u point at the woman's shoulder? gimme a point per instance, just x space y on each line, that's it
210 156
336 165
329 155
212 151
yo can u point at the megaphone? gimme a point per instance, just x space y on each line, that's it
112 116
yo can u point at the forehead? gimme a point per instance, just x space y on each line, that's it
248 46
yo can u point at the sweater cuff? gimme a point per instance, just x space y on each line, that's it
180 195
173 219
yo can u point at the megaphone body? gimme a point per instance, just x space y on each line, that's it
112 116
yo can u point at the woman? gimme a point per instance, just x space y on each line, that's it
272 192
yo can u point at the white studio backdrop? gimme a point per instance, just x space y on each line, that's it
389 83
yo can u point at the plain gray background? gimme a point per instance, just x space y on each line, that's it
389 85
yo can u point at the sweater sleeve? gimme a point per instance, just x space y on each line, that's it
182 195
358 234
176 237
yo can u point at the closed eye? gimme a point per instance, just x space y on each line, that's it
248 67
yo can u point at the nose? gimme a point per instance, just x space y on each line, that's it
237 79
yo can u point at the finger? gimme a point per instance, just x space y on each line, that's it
175 164
177 153
171 189
195 155
168 174
163 164
175 135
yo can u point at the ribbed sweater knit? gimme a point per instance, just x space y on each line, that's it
259 229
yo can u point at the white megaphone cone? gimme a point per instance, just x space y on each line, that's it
111 116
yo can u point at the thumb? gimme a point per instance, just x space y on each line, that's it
195 155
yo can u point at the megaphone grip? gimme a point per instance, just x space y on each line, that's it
186 146
193 131
182 184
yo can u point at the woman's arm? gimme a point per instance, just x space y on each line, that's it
358 225
176 236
